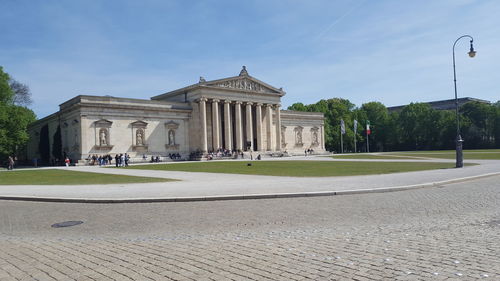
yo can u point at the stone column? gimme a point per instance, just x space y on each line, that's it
203 121
322 137
269 125
278 128
239 129
215 124
249 124
227 124
258 125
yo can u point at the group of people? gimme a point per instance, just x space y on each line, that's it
309 151
155 159
100 159
121 160
174 156
224 153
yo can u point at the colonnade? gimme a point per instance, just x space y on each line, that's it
239 131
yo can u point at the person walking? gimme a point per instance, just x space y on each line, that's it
11 163
67 161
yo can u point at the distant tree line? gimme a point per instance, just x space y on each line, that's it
416 127
14 116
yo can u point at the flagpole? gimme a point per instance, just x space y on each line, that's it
355 131
354 142
341 142
367 142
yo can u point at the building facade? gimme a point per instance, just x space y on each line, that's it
238 113
443 104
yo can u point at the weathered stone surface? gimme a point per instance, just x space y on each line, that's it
171 122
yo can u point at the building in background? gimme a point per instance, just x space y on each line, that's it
442 104
239 113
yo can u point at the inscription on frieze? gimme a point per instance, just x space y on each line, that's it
243 84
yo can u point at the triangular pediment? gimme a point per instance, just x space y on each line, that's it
245 83
103 123
172 125
139 124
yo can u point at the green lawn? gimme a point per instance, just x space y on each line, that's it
493 154
60 177
369 156
298 168
479 154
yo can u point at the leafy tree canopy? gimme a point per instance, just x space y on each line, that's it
6 93
14 118
416 126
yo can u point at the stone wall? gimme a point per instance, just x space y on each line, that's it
301 131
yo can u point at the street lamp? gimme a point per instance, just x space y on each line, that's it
459 141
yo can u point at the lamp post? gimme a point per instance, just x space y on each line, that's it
459 141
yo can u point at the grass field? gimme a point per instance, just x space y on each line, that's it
298 168
62 177
369 156
493 154
483 154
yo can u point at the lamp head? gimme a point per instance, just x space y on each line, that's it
472 53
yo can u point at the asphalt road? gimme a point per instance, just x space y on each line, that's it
444 233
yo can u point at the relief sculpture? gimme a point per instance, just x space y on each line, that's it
283 141
242 84
298 136
314 136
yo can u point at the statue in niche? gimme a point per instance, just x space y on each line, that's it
103 137
171 137
315 137
298 135
283 143
139 137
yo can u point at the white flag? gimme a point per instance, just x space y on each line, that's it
342 126
355 126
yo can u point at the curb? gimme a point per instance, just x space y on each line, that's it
244 197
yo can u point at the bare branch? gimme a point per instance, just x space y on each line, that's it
22 94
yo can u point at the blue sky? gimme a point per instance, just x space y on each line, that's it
392 51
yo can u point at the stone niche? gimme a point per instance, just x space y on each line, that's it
314 136
171 131
139 136
283 137
102 129
298 136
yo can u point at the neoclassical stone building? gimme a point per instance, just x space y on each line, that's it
238 113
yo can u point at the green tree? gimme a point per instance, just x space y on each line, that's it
334 110
6 93
377 114
447 126
415 120
14 120
496 126
298 107
393 132
478 128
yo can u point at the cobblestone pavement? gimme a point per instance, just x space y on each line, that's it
443 233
